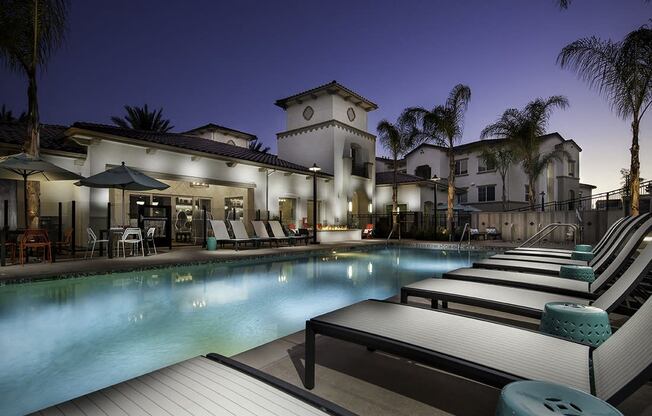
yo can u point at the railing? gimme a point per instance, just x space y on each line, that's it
359 171
547 230
603 201
466 227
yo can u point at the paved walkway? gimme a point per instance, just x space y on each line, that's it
184 255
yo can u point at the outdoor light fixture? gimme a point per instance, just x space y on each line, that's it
435 179
198 185
155 203
140 202
370 208
314 169
350 206
398 210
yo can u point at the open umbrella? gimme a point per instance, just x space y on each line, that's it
23 166
125 178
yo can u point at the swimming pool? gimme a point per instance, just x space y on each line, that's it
60 339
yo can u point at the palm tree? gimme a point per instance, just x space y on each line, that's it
8 115
522 129
30 31
398 139
141 118
622 72
257 146
443 125
501 158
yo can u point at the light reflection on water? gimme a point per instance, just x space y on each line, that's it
64 338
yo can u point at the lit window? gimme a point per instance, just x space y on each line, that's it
462 167
486 193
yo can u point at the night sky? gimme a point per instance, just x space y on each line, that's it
227 62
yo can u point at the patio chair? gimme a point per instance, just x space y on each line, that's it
489 352
210 385
492 233
66 244
263 236
556 284
527 302
277 232
149 239
545 266
221 234
368 231
92 241
133 237
34 239
240 234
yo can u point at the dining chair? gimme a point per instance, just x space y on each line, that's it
132 236
92 240
149 238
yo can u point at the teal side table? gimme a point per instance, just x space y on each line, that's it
535 398
579 323
584 247
583 273
582 255
211 244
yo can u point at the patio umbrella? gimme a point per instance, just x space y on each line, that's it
23 166
125 178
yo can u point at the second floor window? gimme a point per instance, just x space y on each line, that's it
463 197
571 168
486 193
485 166
462 167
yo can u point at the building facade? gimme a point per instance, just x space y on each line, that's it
212 167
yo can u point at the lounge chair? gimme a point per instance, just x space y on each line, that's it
211 385
277 232
221 234
240 233
492 353
526 302
556 284
563 253
535 265
261 233
604 244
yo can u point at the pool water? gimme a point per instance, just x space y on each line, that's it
60 339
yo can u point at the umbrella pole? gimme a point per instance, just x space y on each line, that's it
25 200
123 207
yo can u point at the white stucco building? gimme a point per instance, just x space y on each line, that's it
212 166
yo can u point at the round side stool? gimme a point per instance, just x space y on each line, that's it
583 273
540 398
584 247
211 244
582 255
579 323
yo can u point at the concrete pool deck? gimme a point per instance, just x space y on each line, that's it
67 267
369 383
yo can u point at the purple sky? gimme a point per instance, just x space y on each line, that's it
227 62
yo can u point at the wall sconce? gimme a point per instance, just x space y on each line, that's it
350 206
155 203
198 185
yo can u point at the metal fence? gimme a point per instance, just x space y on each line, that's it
412 224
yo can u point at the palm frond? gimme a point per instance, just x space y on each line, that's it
141 118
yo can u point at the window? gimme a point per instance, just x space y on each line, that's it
483 166
423 171
486 193
463 197
527 193
571 168
462 167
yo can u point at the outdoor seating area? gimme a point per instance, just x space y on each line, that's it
488 351
234 232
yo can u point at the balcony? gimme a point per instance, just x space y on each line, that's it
360 171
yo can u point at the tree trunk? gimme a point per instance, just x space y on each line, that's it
451 191
32 147
634 169
502 177
395 197
531 194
